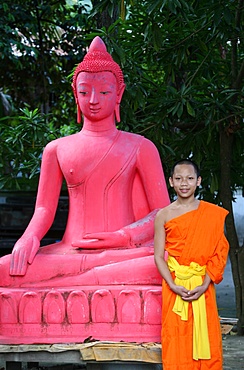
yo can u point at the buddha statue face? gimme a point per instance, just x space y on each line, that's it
97 95
98 65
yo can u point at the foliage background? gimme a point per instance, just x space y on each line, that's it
183 66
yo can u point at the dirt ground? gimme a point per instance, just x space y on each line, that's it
233 348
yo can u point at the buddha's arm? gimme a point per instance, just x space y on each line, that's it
49 187
152 176
142 230
151 173
130 236
149 167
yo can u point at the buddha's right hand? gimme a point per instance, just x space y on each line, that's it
23 254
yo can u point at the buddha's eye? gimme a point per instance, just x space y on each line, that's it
104 92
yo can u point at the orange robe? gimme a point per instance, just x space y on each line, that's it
196 236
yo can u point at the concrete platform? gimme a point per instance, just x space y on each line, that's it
233 349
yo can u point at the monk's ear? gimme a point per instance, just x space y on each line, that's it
199 180
171 182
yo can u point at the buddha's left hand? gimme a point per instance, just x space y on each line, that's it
105 240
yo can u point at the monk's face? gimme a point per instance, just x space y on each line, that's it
97 95
184 180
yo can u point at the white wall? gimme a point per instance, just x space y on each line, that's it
238 209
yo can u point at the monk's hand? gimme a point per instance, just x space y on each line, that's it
180 290
23 254
103 240
195 293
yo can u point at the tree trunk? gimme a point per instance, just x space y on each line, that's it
236 252
42 59
106 17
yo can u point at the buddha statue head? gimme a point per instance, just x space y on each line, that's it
97 60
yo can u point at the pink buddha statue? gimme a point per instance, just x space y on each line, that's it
115 184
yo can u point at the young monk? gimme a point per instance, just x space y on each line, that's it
191 253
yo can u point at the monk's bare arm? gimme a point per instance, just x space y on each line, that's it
159 250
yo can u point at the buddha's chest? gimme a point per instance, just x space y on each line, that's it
102 160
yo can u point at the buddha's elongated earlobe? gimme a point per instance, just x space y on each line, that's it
117 107
77 104
117 112
78 114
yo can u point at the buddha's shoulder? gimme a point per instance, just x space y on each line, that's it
136 138
65 141
130 135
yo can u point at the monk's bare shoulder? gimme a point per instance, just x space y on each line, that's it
168 213
164 214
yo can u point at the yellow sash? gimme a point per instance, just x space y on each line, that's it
190 278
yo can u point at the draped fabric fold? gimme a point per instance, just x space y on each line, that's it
190 277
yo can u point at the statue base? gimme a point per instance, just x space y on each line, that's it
74 315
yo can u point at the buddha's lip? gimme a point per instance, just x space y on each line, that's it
94 110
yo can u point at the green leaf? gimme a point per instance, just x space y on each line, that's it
190 109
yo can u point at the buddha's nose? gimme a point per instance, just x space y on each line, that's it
94 99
